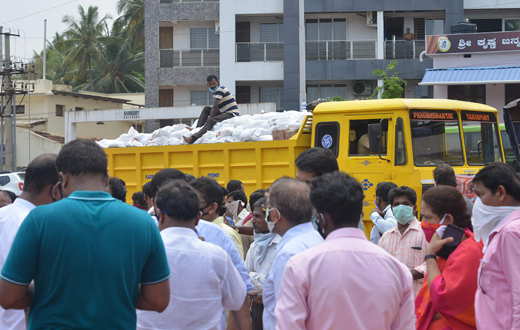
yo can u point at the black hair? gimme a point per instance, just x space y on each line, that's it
211 77
448 200
209 189
234 185
340 196
402 191
291 198
225 192
82 156
178 200
116 186
163 176
147 189
41 173
499 174
318 161
256 195
139 197
238 196
11 195
444 175
383 188
189 177
262 202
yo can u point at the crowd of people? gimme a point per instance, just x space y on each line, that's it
192 254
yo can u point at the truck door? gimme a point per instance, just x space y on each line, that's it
366 166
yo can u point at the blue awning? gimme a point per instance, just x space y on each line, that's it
472 76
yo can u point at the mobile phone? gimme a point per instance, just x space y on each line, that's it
447 249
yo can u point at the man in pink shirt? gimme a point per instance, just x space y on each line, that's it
496 220
345 282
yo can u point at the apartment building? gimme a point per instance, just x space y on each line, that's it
289 51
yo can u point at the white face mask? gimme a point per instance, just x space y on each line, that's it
270 224
486 218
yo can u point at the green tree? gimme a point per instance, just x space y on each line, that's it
82 40
118 64
132 17
393 86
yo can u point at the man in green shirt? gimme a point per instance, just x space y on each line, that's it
93 259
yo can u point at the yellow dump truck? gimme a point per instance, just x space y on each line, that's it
398 140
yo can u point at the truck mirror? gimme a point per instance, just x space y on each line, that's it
374 137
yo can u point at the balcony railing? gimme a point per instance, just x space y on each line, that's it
259 51
400 49
189 58
340 50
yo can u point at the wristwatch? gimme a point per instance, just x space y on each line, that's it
430 256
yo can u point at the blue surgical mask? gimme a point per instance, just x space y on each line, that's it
375 203
213 90
403 214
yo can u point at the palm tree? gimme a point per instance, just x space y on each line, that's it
82 39
118 65
133 18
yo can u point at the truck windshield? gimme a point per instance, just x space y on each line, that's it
481 137
436 138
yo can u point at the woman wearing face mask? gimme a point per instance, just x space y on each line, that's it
446 300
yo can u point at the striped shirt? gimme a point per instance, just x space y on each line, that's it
227 101
400 246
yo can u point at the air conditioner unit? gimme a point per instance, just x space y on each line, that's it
362 88
217 27
371 18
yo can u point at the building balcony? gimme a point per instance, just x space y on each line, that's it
177 1
400 49
189 58
259 51
340 50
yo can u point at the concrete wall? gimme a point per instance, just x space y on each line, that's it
30 145
490 5
316 6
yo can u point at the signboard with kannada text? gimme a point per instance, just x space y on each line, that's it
473 43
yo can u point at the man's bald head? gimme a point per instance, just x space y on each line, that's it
291 198
41 173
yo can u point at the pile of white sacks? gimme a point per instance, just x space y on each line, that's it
243 128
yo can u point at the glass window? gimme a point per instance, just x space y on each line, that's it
59 110
340 29
340 90
436 138
311 31
400 143
434 26
470 93
213 39
199 98
325 29
313 93
272 94
20 109
423 92
511 24
327 136
359 141
4 179
268 32
326 91
198 38
481 138
280 32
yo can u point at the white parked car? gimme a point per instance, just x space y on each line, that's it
12 181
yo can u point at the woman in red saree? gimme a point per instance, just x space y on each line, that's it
446 300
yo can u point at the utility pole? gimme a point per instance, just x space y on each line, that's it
8 91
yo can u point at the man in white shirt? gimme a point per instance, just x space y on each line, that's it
382 215
288 214
40 187
259 259
203 278
215 235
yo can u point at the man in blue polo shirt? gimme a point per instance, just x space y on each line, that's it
93 259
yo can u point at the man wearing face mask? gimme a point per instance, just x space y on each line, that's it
289 215
406 241
41 187
259 259
496 221
382 215
224 107
346 282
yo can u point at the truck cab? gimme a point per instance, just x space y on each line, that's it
403 140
